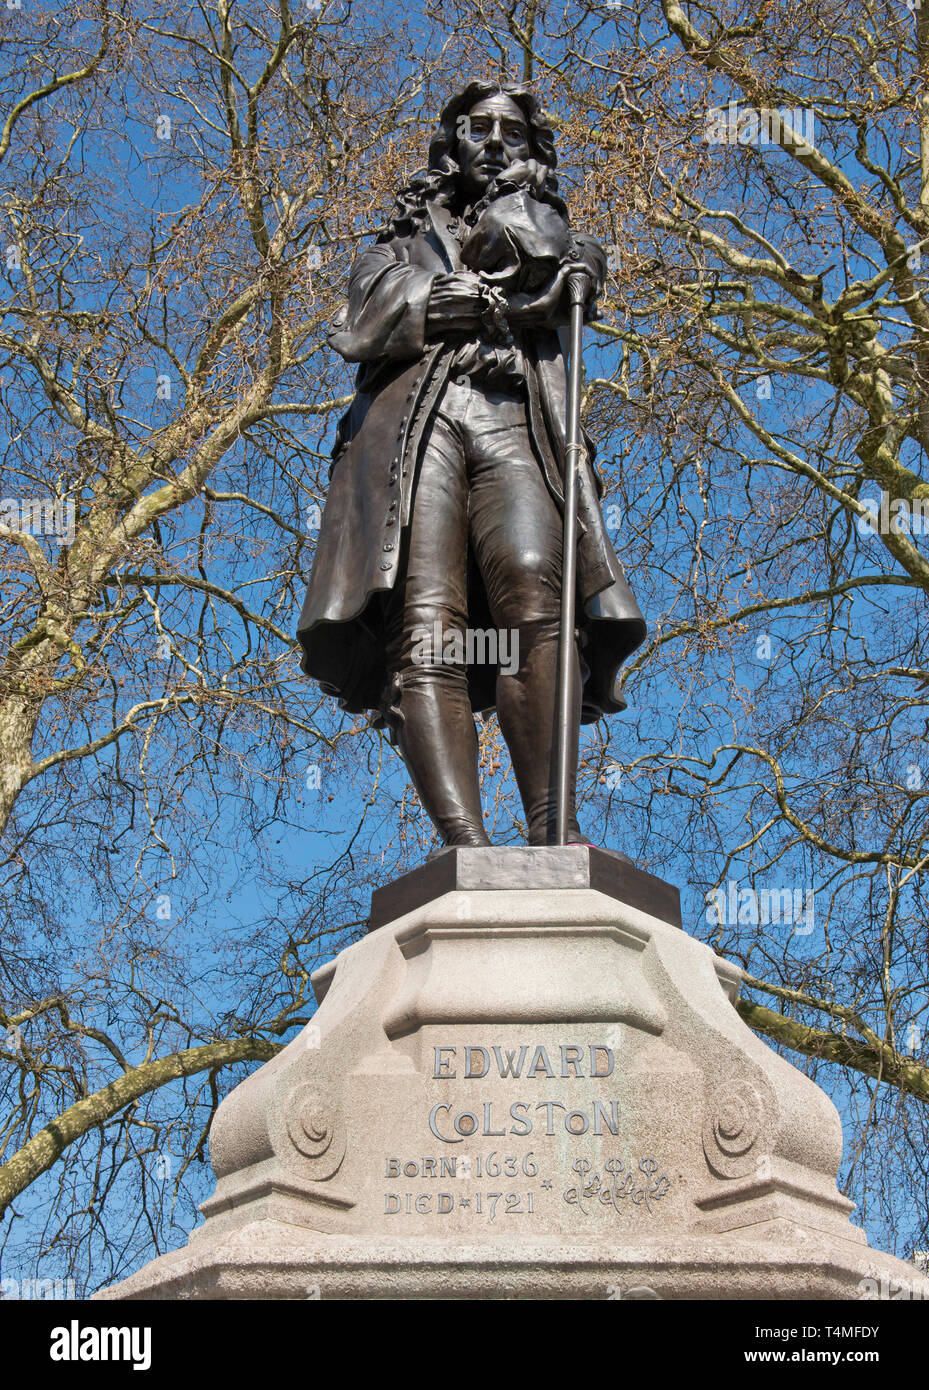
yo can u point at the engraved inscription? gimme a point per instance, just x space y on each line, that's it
641 1188
485 1204
475 1183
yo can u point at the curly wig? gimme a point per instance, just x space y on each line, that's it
439 182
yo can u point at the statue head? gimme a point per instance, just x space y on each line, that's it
482 128
467 121
492 135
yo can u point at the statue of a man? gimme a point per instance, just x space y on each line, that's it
444 519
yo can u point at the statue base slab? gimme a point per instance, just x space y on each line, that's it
270 1259
526 1082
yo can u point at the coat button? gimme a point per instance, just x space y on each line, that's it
387 566
389 545
395 463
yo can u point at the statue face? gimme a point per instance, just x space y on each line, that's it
496 135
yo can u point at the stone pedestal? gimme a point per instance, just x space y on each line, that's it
527 1082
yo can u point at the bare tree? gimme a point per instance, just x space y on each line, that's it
188 828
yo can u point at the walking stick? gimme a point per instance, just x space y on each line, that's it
574 450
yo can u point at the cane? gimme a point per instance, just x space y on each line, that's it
574 450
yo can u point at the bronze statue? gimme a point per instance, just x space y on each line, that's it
444 520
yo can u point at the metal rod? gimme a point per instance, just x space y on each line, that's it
567 649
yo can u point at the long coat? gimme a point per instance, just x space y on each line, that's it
373 479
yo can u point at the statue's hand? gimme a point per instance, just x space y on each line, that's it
522 173
552 304
455 301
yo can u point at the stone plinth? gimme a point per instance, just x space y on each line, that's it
526 1082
